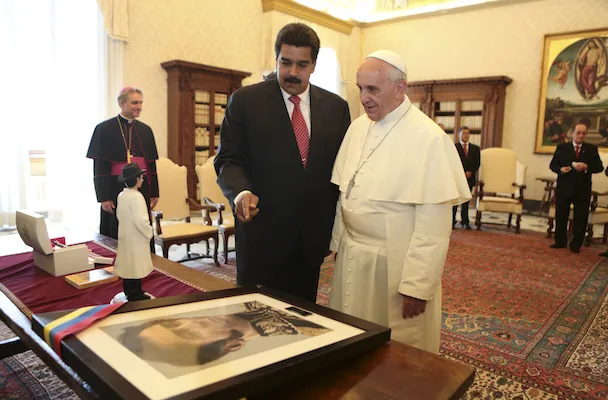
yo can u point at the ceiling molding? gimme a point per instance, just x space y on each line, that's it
439 13
297 10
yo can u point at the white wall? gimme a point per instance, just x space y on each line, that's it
501 40
233 34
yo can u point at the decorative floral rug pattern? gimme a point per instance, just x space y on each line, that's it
532 321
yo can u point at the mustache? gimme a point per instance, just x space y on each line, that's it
292 79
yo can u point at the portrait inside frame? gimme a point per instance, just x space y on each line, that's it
224 344
574 89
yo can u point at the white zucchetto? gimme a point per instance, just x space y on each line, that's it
390 57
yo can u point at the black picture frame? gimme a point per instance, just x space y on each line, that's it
109 384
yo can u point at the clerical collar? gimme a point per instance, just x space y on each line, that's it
126 119
396 113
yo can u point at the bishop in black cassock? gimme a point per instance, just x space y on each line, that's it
108 149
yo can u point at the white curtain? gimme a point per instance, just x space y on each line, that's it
54 91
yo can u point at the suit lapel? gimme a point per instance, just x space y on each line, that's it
582 153
461 152
316 123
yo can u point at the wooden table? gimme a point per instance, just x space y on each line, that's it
393 371
549 189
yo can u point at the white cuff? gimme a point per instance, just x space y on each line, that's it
239 196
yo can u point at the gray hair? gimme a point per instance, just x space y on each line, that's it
125 92
395 74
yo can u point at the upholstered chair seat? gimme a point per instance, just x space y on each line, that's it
501 185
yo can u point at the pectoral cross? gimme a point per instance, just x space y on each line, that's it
129 156
351 185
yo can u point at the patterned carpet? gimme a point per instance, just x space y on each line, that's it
532 321
25 377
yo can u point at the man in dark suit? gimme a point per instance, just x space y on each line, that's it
470 156
574 163
279 140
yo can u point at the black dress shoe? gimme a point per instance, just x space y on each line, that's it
604 254
557 246
575 250
468 227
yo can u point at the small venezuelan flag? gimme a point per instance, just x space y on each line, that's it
75 322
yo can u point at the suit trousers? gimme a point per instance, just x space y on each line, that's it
581 213
297 275
464 214
464 211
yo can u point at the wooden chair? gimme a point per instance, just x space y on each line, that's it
598 214
174 204
212 195
498 188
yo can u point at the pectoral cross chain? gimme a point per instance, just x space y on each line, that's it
351 185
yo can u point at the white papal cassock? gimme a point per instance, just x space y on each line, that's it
392 232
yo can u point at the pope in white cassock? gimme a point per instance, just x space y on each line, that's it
399 176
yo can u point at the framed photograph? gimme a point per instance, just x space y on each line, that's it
216 345
574 89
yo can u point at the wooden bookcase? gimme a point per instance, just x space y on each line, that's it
197 95
474 102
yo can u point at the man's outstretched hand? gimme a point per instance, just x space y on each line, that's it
247 207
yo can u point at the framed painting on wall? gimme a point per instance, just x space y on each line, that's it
226 344
573 89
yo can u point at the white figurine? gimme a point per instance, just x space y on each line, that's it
133 259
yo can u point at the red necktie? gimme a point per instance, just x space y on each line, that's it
300 129
466 150
578 148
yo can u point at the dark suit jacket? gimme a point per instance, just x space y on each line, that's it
574 181
470 163
259 152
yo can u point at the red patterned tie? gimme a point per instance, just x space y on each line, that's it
578 149
300 129
466 150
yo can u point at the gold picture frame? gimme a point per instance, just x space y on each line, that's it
573 89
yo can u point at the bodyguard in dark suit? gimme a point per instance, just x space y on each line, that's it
574 163
279 140
470 156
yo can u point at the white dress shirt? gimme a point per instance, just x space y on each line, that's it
580 147
304 105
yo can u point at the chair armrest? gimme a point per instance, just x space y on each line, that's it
480 184
521 190
219 206
158 215
207 209
594 196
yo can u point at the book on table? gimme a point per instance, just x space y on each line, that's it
94 277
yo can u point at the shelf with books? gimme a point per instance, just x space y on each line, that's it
477 103
197 98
